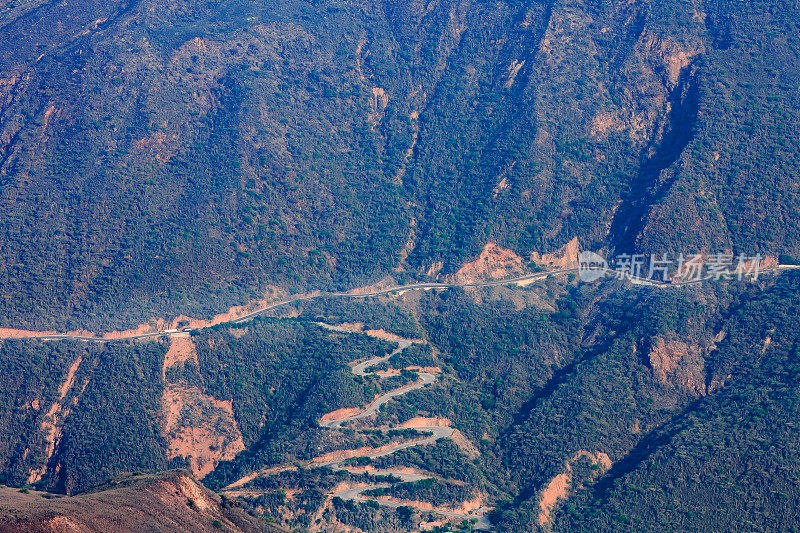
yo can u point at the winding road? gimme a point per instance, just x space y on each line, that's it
354 294
360 369
436 433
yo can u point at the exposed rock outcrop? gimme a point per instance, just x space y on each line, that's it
169 501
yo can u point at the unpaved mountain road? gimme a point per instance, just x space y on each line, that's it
354 294
249 316
402 288
434 434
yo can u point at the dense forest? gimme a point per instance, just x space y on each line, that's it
729 462
643 395
164 158
157 159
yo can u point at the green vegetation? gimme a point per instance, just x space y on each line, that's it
281 376
639 375
729 462
33 374
369 516
308 486
374 313
438 493
159 159
443 458
273 151
116 425
155 502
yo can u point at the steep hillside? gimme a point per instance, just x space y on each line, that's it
324 255
170 501
524 405
160 157
728 462
75 415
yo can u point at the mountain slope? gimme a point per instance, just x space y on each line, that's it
170 501
173 157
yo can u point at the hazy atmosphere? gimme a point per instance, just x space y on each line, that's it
392 266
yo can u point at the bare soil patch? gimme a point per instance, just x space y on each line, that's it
200 428
494 263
